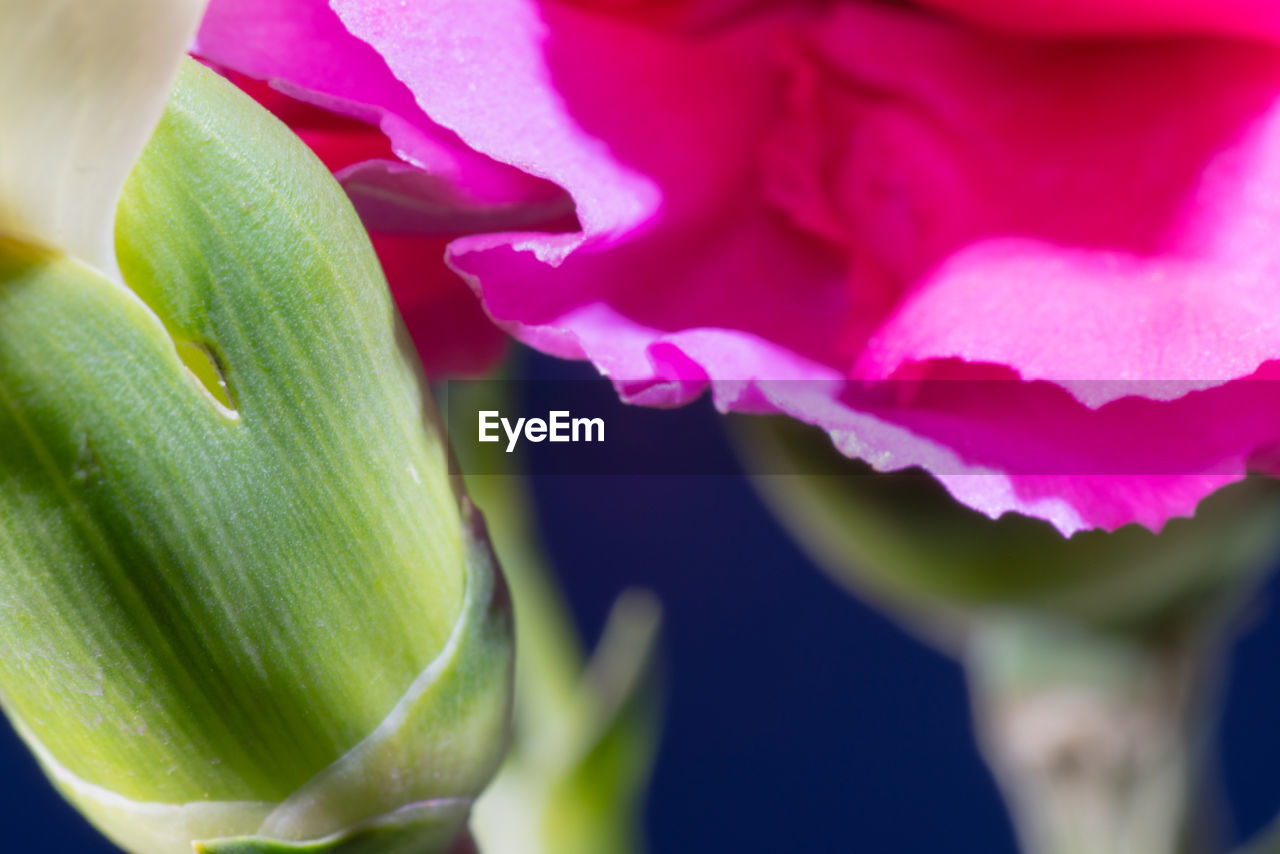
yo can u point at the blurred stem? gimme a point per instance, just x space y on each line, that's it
1267 841
1096 737
1092 658
585 731
550 655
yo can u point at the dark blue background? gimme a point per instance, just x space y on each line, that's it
798 720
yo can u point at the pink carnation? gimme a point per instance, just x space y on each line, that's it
1046 271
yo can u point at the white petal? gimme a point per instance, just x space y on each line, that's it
82 85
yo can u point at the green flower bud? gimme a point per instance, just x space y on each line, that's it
243 606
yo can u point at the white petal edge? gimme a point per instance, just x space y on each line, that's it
82 87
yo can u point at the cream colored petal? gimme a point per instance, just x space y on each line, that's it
82 86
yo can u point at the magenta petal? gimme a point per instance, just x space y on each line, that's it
1249 18
396 198
1080 218
1001 445
713 259
305 51
479 69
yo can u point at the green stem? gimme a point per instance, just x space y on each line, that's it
1095 737
1266 842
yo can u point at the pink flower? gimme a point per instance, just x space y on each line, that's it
1046 271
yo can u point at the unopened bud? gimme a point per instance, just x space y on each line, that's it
243 607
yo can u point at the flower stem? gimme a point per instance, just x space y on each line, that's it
1096 736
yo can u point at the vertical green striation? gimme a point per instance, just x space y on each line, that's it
239 593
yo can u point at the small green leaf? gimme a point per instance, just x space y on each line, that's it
595 806
901 536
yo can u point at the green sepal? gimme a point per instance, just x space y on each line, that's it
412 829
902 537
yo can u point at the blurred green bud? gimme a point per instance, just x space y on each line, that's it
1090 658
575 781
901 537
243 607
